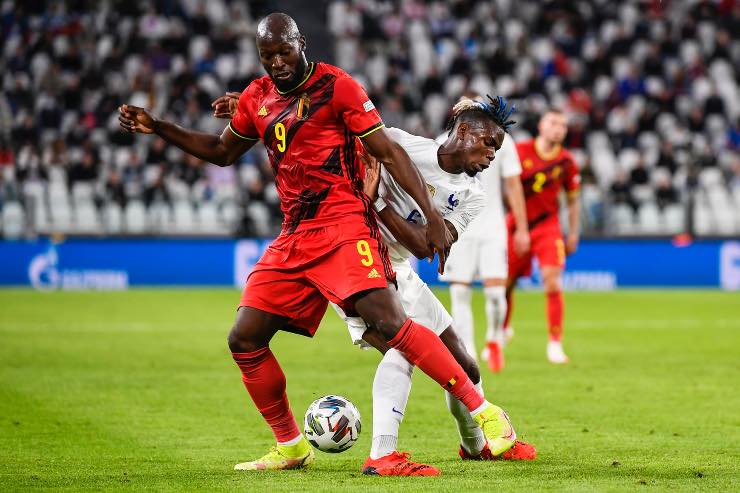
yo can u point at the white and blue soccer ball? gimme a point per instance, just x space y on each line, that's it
332 424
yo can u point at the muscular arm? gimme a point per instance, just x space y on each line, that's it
399 165
221 150
515 198
411 235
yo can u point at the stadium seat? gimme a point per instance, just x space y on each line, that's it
230 214
159 217
61 216
260 216
703 222
13 220
649 218
184 220
86 217
208 218
674 219
621 219
112 218
643 193
135 217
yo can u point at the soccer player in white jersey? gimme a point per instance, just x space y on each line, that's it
481 253
476 132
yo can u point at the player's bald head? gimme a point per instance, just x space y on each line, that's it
278 27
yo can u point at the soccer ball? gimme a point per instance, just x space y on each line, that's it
332 424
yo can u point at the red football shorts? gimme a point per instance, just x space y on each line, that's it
300 273
546 244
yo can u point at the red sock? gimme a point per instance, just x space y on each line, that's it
265 382
510 308
423 348
555 315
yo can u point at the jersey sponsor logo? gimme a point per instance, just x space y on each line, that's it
373 274
368 106
302 108
431 189
263 111
452 202
414 217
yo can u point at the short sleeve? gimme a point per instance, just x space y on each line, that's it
469 210
242 124
353 106
510 164
572 178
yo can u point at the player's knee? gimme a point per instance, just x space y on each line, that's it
389 327
240 341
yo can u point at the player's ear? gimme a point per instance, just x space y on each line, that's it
302 43
462 130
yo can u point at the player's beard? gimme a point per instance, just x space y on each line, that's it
300 73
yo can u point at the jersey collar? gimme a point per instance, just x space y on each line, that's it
546 156
309 73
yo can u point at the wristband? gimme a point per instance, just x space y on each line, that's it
379 204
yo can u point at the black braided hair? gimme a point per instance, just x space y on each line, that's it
496 109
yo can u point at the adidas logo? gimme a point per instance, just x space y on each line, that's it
262 111
373 274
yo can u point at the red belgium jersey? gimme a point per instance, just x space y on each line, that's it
310 133
543 177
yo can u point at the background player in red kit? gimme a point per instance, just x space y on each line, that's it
547 168
309 115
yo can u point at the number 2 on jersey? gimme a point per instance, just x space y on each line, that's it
280 136
539 181
363 248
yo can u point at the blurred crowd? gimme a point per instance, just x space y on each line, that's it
650 89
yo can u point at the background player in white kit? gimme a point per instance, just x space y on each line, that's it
481 253
448 169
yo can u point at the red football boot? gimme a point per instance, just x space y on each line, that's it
520 451
397 464
495 356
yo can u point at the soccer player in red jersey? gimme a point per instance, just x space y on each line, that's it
309 116
547 168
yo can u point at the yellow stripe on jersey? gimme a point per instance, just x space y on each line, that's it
373 129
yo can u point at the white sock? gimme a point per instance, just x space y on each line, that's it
292 441
391 389
471 436
462 315
495 312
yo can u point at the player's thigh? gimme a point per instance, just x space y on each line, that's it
494 262
549 249
462 263
286 294
419 302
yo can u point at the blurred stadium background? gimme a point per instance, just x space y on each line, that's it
650 89
135 389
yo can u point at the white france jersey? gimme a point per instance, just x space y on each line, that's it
491 222
458 197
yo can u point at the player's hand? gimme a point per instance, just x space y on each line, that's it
571 244
439 239
372 175
134 119
521 242
225 106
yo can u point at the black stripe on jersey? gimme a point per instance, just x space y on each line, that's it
309 205
333 164
324 82
323 99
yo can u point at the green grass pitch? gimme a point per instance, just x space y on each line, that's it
136 391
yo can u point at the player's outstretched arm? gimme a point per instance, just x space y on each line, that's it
515 198
399 165
221 150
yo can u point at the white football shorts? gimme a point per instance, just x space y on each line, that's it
474 258
417 300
